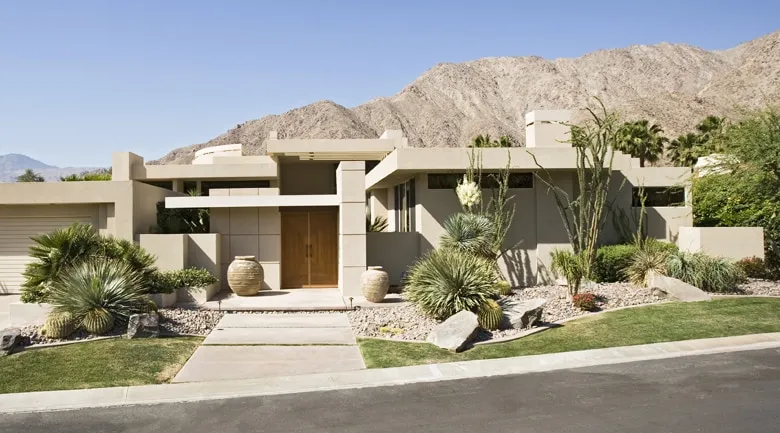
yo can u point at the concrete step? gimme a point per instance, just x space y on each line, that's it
284 321
281 336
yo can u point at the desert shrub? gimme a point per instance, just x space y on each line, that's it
100 291
711 274
570 266
447 281
650 255
181 220
470 233
170 281
754 267
610 262
55 252
584 301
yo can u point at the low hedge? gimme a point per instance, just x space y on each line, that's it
610 262
170 281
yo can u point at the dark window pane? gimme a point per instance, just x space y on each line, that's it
222 184
659 196
451 180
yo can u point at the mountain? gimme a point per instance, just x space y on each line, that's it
674 85
14 164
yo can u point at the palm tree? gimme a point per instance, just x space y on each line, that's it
711 132
642 140
685 150
504 141
30 176
485 141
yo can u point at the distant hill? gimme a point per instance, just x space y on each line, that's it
675 85
14 164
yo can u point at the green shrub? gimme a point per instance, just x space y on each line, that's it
570 266
711 274
55 252
447 281
170 281
754 267
610 262
584 301
181 220
490 315
96 288
650 255
471 233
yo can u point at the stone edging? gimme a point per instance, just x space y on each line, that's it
66 343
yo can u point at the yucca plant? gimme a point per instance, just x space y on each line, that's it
650 255
92 290
569 266
471 233
447 281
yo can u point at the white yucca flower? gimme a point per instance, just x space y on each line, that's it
468 193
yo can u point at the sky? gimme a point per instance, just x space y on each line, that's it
81 79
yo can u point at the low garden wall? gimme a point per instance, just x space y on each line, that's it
729 242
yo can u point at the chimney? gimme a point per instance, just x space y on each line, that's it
547 128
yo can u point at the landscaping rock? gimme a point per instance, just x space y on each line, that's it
143 326
674 288
454 333
9 339
525 314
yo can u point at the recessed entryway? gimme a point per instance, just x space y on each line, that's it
309 248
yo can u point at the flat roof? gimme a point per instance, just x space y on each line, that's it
359 149
252 201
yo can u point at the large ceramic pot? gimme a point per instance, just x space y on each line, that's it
374 282
245 276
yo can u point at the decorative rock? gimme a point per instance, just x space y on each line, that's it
143 326
245 276
374 283
675 288
9 339
525 314
454 333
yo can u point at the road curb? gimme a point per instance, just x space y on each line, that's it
200 391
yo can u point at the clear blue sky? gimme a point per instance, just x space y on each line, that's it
80 79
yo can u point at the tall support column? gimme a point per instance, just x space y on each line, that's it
351 189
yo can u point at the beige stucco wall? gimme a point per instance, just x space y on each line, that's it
171 250
145 199
394 251
249 232
730 242
299 178
350 181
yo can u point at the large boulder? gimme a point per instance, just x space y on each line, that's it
10 339
668 287
143 326
525 314
454 333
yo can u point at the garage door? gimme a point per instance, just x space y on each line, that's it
15 233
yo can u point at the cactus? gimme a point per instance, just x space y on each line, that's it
490 315
97 321
150 307
58 325
504 288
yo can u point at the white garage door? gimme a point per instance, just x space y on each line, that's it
15 233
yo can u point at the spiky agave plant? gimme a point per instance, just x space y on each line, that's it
93 290
650 255
471 233
447 281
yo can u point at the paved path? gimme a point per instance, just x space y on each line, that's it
734 392
250 346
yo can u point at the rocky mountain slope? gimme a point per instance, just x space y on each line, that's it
14 164
671 84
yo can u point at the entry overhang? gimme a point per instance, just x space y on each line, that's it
251 201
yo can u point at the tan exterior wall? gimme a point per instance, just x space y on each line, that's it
171 250
307 178
249 232
350 181
145 199
730 242
394 251
204 250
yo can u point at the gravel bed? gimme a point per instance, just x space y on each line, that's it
185 321
756 287
31 335
409 324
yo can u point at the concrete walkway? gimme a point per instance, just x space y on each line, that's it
253 346
296 300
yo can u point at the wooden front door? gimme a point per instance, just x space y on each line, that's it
309 249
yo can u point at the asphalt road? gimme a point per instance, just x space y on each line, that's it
736 392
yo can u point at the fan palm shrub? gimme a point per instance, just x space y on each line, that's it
650 255
99 292
570 266
449 280
470 233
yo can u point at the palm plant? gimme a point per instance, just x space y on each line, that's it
481 141
29 176
685 150
642 140
449 280
570 266
471 233
378 224
130 253
99 292
711 132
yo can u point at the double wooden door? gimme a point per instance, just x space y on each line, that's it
309 248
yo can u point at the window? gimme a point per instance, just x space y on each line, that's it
205 186
450 180
404 207
659 196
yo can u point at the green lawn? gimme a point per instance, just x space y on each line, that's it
116 362
653 324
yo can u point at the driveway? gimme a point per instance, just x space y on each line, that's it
735 392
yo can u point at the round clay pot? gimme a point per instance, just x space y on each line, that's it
374 282
245 276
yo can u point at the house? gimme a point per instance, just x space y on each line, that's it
301 209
